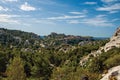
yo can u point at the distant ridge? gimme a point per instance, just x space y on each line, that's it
100 38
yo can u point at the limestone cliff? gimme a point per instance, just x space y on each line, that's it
113 74
114 42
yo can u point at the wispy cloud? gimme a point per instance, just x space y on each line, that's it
42 21
111 8
79 12
75 12
5 18
49 2
3 9
116 19
73 21
65 17
109 1
101 16
99 21
9 0
27 7
111 12
90 3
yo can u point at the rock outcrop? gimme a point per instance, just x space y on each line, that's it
113 74
114 42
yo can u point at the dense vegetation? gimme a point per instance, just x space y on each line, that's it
51 58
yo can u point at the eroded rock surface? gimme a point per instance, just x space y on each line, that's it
112 73
114 42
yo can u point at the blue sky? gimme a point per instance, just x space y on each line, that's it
98 18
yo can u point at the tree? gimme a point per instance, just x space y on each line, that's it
3 61
15 70
95 66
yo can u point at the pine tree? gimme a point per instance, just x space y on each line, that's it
15 70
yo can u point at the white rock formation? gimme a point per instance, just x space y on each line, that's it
114 42
115 72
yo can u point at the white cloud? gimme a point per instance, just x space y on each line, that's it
45 22
111 12
66 17
111 8
109 1
48 2
75 12
27 7
90 3
98 21
73 21
5 18
81 12
3 9
117 19
101 16
9 0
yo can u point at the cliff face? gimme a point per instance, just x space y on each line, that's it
113 74
114 41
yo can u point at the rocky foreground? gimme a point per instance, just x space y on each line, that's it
113 74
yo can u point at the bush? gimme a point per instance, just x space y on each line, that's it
15 70
112 61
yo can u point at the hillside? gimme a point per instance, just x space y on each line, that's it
108 56
56 56
15 37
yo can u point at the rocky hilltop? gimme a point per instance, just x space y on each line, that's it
114 42
113 73
55 39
